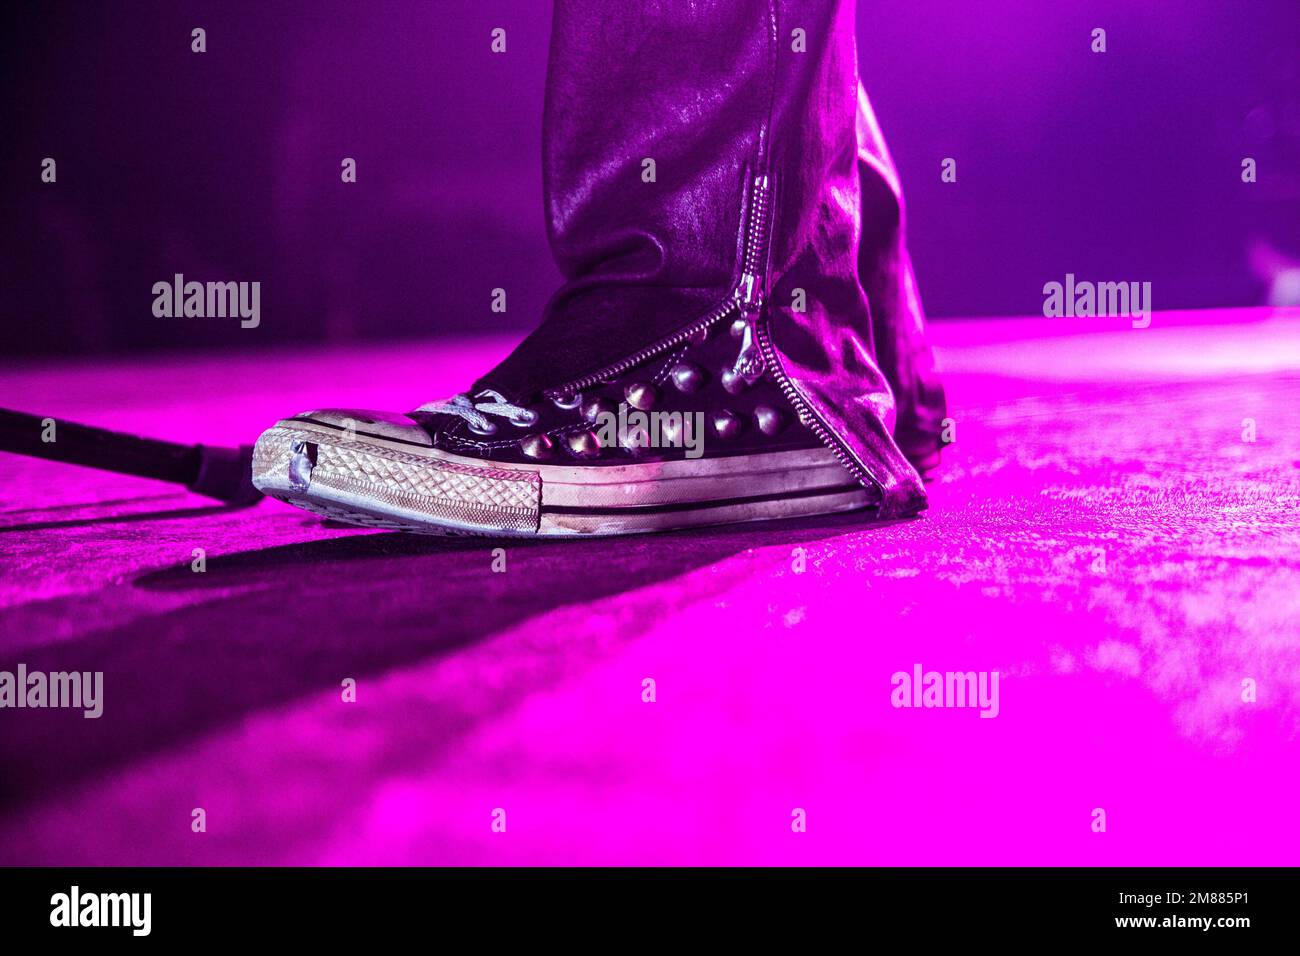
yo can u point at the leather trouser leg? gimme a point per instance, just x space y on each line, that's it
699 156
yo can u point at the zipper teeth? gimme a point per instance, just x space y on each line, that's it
757 234
663 345
806 414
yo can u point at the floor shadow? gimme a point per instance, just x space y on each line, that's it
268 625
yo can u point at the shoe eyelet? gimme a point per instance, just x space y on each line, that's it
567 402
490 430
527 420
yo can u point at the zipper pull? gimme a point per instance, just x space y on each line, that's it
749 364
749 290
749 295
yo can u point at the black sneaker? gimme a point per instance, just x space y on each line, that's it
689 433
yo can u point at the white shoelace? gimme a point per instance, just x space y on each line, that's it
475 410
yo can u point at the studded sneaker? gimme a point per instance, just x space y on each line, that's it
695 434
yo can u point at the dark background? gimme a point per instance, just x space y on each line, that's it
225 165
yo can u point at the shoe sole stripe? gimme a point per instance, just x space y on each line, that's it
389 482
701 505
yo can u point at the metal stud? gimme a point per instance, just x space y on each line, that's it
567 402
727 424
641 395
687 377
768 420
733 382
594 408
671 429
739 327
637 440
584 444
536 446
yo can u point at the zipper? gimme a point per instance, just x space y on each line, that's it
757 352
745 300
810 418
749 291
568 389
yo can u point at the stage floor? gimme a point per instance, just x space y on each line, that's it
1101 535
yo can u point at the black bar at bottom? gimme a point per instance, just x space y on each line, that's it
540 906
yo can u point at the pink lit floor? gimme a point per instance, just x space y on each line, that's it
1121 676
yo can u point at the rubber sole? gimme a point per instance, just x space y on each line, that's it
373 482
